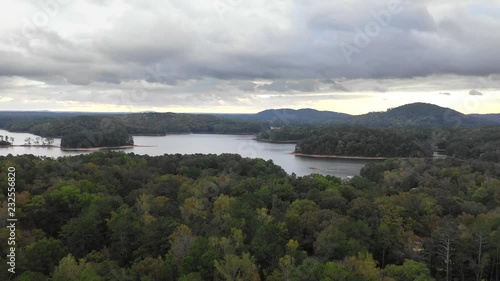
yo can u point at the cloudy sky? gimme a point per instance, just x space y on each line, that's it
352 56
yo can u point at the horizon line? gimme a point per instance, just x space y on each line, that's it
226 113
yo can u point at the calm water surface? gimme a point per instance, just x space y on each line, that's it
209 143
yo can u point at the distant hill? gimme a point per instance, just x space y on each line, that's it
304 115
406 116
418 115
288 115
495 117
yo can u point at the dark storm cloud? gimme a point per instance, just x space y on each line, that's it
189 47
288 86
244 85
413 43
475 93
415 17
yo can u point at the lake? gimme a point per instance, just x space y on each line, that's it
244 145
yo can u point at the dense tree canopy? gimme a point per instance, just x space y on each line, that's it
109 137
359 141
117 216
471 143
87 131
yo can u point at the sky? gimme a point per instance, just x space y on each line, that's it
244 56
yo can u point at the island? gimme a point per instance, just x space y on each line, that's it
83 133
97 139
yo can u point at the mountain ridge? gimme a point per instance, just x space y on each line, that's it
418 115
408 115
405 116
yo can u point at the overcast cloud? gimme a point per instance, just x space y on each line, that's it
248 55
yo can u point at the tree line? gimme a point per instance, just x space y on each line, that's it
135 123
6 140
38 141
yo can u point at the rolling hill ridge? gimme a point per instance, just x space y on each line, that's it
405 116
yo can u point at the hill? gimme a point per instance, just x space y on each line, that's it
299 115
415 115
418 115
287 115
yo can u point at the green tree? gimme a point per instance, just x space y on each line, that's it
193 276
42 255
70 269
32 276
181 241
237 268
124 230
363 265
409 271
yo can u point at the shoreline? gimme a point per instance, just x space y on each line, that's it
77 148
25 145
97 148
190 133
215 133
271 141
145 135
338 156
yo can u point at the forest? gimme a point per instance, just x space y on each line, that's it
55 125
112 130
86 132
117 216
366 142
465 143
470 143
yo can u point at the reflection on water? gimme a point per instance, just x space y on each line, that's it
246 146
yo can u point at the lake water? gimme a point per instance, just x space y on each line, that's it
210 143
